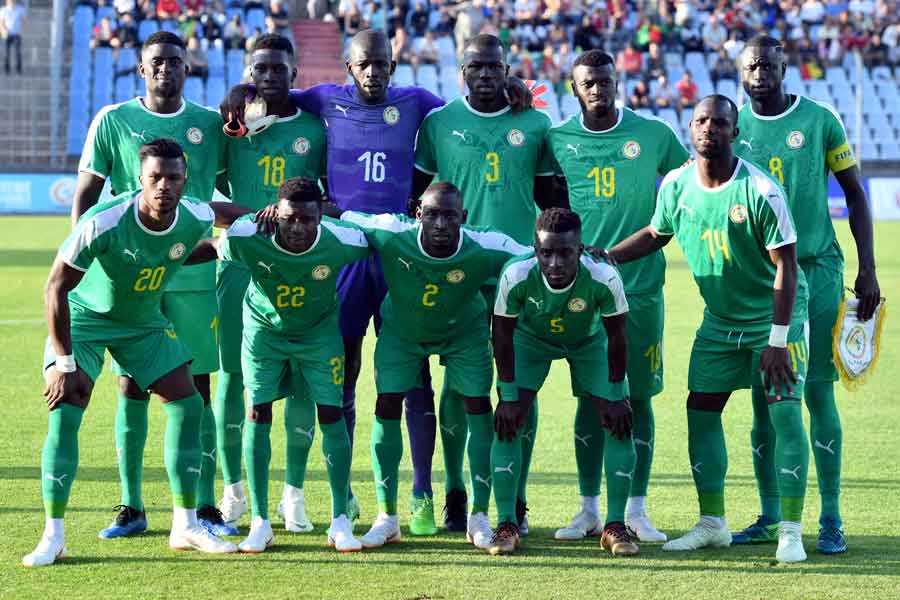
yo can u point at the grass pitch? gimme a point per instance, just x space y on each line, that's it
442 566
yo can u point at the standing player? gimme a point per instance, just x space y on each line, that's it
799 141
292 146
435 269
734 226
610 160
110 152
104 293
496 158
292 343
549 306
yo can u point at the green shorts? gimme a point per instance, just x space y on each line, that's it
465 354
825 278
194 317
725 357
645 320
145 353
275 365
232 280
588 365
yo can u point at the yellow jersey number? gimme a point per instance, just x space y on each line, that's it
431 291
797 350
289 297
604 181
493 161
717 240
149 280
337 370
273 170
776 168
557 326
653 355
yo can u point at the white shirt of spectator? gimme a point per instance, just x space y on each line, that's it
12 19
812 11
124 6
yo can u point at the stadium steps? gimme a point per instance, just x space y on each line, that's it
319 53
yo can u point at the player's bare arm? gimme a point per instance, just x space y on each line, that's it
774 360
73 386
545 194
508 417
205 251
616 416
638 245
860 217
88 188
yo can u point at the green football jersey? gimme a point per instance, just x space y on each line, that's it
292 147
111 151
611 177
430 297
128 267
726 234
561 317
492 158
291 292
798 148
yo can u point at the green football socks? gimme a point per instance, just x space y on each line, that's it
336 448
229 414
762 444
506 470
182 448
257 456
300 428
131 437
481 434
588 448
529 434
709 460
827 439
59 459
387 449
619 461
206 492
452 421
643 432
791 456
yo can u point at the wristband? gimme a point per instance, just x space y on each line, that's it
66 364
509 391
778 336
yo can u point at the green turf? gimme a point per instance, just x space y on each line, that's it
441 566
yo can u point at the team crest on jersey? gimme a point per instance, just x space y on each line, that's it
391 115
194 135
321 272
301 146
577 305
631 150
795 140
456 276
738 214
176 251
515 137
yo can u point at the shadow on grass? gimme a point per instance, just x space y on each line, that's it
18 257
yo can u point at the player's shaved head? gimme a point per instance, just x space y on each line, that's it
558 246
371 65
763 65
485 72
299 214
484 42
441 215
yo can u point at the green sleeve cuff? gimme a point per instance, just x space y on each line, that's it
509 391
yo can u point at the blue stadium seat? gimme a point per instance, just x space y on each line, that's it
836 76
449 84
103 60
404 76
890 151
82 26
871 104
887 91
124 90
235 66
727 87
869 151
695 62
216 61
194 91
234 11
792 78
704 88
644 112
569 106
215 91
670 116
105 11
256 17
101 95
672 60
446 51
818 90
882 73
170 25
427 77
146 28
127 59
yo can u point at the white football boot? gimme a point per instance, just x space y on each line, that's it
196 537
48 551
233 504
584 524
340 535
385 530
790 543
478 530
260 537
643 528
293 508
709 532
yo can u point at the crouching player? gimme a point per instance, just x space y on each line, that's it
292 345
434 270
550 305
104 293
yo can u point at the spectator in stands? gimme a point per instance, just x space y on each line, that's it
861 9
734 46
812 12
127 32
685 12
630 61
723 68
525 10
687 91
426 49
194 8
891 38
647 32
876 53
557 35
665 97
124 7
353 22
771 13
196 58
714 35
550 70
279 14
417 19
469 19
588 36
104 35
401 47
145 10
234 34
167 9
251 41
566 59
12 25
640 96
656 64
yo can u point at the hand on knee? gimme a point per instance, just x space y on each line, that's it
260 413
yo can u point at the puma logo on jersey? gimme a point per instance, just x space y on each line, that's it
640 442
684 207
194 470
211 455
139 136
331 464
460 134
537 303
450 429
627 476
826 448
506 469
58 480
583 439
696 468
573 148
268 268
382 482
406 264
757 451
302 431
132 253
748 144
792 472
429 414
237 426
528 435
343 109
482 480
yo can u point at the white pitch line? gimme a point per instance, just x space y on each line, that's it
21 321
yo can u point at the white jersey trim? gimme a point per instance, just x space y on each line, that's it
347 235
147 230
200 210
307 251
495 240
241 228
93 228
385 222
87 154
721 186
607 276
490 115
512 276
425 253
768 189
140 101
789 110
602 131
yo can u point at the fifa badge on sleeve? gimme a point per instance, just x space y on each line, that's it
856 343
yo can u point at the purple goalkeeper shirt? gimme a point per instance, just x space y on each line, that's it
371 148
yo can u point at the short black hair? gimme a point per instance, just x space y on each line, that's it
442 187
558 220
717 98
273 41
163 37
764 41
300 189
485 41
161 148
593 58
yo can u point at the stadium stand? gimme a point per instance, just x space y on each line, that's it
823 64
